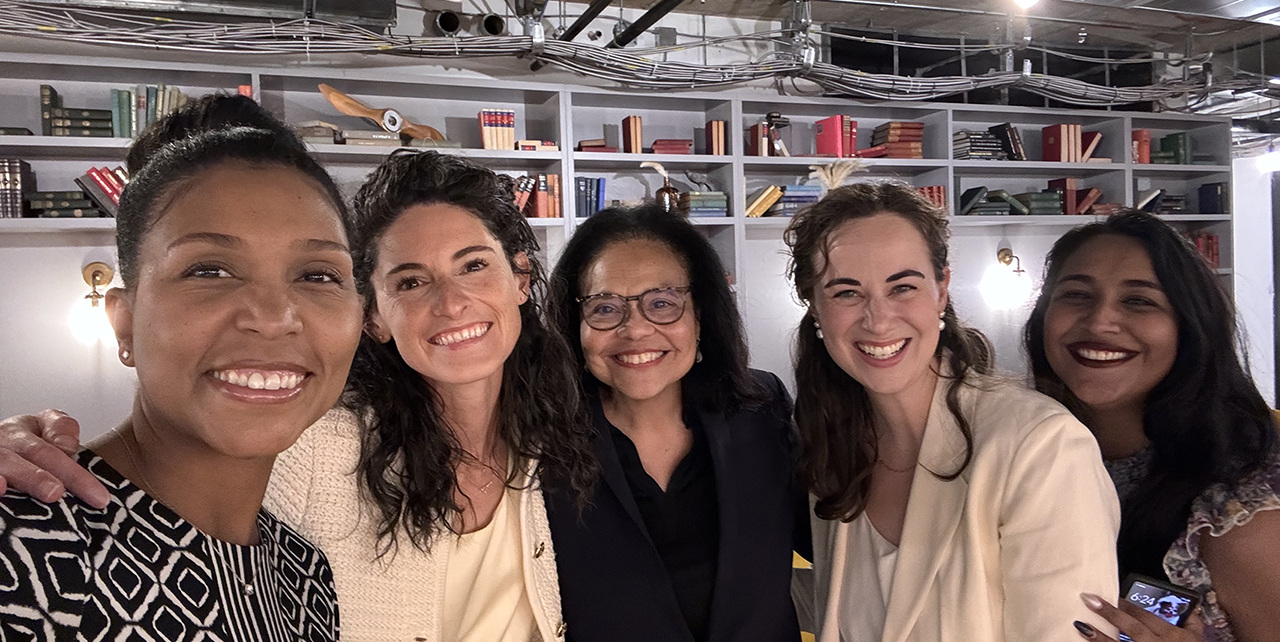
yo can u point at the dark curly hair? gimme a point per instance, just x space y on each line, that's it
721 380
1206 420
833 410
175 163
407 455
206 113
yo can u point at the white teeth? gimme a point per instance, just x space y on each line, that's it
462 335
260 380
638 359
1101 355
882 352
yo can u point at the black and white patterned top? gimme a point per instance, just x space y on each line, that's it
135 570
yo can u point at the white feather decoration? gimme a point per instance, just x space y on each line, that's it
656 167
834 174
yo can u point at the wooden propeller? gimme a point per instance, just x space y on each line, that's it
388 119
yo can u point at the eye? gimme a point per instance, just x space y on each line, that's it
847 294
322 276
475 265
408 283
1139 301
206 271
603 308
1073 295
903 288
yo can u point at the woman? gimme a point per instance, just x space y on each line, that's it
950 505
240 314
691 530
461 406
1133 332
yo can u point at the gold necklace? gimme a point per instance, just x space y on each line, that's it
246 587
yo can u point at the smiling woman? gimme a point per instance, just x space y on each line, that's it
240 315
948 504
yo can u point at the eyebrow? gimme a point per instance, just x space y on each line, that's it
1132 283
854 282
227 240
471 249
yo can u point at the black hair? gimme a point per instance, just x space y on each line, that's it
721 380
178 162
206 113
1206 421
833 411
408 456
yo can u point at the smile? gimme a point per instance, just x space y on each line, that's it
457 336
260 379
1100 355
887 351
639 358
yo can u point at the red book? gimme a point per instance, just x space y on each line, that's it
829 137
901 124
107 185
600 148
632 134
900 135
758 140
1141 151
1069 186
1089 141
1055 146
541 198
245 90
875 151
850 136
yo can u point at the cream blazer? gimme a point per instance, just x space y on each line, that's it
399 597
1002 553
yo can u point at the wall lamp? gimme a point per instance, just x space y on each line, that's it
1006 285
88 320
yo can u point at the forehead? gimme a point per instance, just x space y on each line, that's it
883 243
633 266
1110 258
433 230
252 202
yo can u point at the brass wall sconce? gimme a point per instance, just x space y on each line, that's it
96 275
1006 256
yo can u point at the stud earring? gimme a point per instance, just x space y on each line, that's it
817 329
124 355
942 324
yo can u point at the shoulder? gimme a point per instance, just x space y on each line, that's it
312 596
1252 501
1004 411
335 436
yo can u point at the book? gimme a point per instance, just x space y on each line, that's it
96 193
758 140
1069 187
1213 198
49 101
1055 145
969 198
15 131
1149 201
1085 199
55 204
716 138
875 151
1179 144
590 142
79 212
1141 146
762 199
80 133
829 138
56 196
1089 140
1010 140
1001 195
632 135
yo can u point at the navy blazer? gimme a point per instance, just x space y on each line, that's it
613 585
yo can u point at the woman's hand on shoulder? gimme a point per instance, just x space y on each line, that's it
1138 624
36 458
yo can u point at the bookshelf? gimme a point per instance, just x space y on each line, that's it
750 248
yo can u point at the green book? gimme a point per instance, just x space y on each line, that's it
116 130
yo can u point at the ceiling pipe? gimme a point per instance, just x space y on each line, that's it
642 24
578 25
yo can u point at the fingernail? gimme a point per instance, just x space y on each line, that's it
50 491
1085 629
1092 601
65 443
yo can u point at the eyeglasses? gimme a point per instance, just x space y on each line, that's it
661 306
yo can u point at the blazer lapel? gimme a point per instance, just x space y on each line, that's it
934 508
720 441
611 468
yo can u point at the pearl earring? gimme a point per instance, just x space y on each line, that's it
817 330
942 324
124 355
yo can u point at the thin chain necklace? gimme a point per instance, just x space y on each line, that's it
891 468
246 587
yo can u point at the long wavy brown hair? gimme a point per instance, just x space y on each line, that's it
833 411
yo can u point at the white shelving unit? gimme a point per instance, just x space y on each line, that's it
567 114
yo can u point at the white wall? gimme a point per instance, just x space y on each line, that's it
1254 282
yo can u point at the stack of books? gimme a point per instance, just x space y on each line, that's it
1173 204
794 198
1207 245
532 145
632 135
937 194
72 204
704 203
971 145
103 186
716 137
836 136
1214 198
1010 141
899 139
979 201
538 196
372 138
588 195
16 180
1062 142
673 146
596 145
132 110
497 128
1104 209
318 132
1046 203
1175 149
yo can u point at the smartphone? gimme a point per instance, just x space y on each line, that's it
1173 604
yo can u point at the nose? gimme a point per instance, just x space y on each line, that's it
875 314
1104 318
270 311
448 299
634 324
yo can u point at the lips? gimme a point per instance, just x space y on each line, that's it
881 351
1099 354
261 379
639 358
455 336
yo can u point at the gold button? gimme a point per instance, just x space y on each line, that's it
537 551
561 629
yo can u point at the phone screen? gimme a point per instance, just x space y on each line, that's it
1159 601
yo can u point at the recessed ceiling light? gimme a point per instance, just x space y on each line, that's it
1275 80
1025 4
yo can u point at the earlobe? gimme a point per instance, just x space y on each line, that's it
944 291
373 328
119 307
524 272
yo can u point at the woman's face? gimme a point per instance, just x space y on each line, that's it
878 303
244 318
639 359
446 292
1110 333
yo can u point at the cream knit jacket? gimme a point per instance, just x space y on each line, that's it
400 597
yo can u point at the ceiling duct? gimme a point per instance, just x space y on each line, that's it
369 13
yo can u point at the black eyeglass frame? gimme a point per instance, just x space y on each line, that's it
626 310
